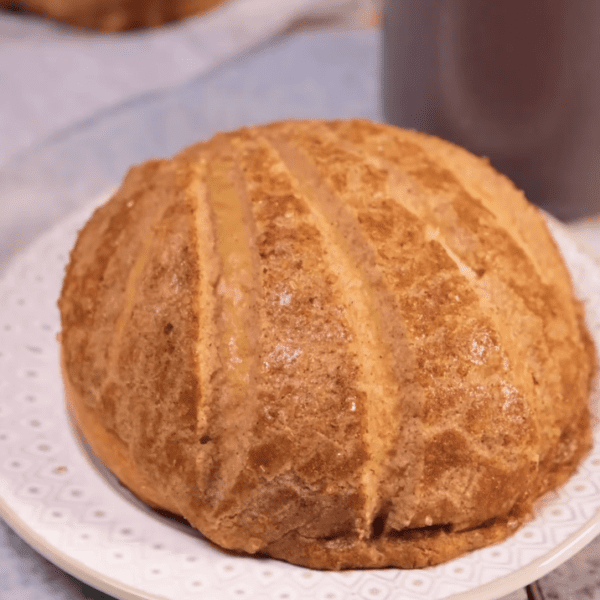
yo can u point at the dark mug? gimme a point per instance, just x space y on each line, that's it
517 81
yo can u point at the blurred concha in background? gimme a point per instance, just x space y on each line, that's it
114 15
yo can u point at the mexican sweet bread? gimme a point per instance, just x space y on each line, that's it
340 344
113 15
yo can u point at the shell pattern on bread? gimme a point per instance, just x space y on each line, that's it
340 344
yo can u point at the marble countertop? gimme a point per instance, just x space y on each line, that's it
56 81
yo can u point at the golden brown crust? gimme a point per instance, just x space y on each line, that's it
339 343
113 452
115 15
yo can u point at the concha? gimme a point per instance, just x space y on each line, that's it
340 344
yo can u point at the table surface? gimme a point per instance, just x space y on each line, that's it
57 80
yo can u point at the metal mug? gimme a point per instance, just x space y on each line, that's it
517 81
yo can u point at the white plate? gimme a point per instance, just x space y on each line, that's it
58 501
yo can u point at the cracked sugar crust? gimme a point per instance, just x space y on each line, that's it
338 343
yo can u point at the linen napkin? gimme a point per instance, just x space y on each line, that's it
53 75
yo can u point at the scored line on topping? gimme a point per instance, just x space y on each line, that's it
371 315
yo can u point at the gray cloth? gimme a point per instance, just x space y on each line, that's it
52 76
